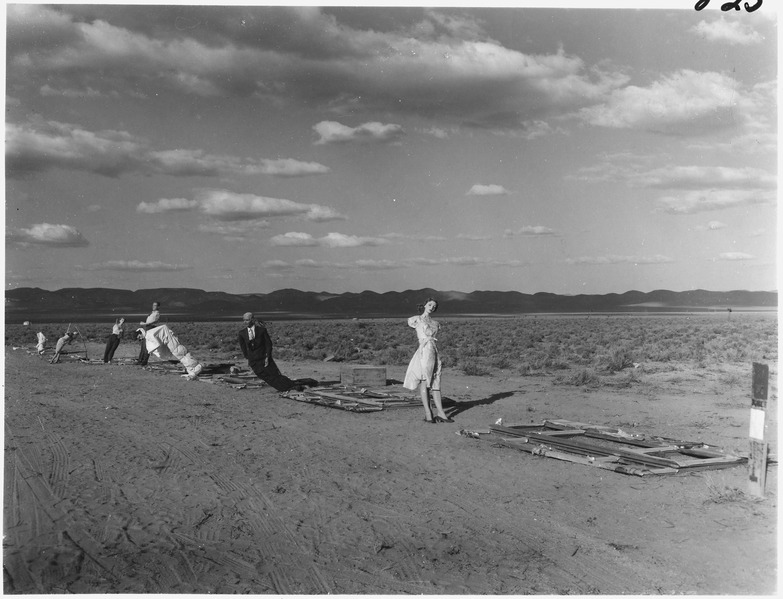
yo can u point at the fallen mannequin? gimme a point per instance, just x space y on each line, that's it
163 344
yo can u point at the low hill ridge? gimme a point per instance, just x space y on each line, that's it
81 304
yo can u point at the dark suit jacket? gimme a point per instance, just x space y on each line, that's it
260 348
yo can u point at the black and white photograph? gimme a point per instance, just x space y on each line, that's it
362 299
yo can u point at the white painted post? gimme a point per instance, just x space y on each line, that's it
757 461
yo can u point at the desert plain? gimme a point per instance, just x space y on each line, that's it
121 479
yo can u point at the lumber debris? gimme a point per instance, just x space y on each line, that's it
607 448
354 399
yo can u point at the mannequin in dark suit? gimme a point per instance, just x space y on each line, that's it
258 352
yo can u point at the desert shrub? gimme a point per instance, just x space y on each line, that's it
618 359
584 377
473 369
501 362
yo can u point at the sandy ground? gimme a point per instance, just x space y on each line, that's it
124 480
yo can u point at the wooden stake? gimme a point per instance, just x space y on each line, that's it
757 461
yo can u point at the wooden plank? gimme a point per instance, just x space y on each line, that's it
587 448
341 397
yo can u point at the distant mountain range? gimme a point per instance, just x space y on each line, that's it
93 305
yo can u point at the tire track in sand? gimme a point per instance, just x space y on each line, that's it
279 550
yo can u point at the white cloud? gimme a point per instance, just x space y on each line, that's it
167 205
733 31
332 132
234 229
335 240
615 259
226 205
46 234
684 102
331 240
530 231
294 238
40 145
715 225
735 256
700 177
487 190
322 214
288 167
692 202
445 64
138 266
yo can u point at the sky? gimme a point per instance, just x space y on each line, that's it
247 149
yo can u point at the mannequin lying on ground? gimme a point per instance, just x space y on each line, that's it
162 343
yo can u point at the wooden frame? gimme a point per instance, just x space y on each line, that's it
354 399
610 448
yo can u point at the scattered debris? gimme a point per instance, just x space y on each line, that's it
355 399
607 447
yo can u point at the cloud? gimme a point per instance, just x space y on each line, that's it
692 202
700 177
229 206
684 102
406 237
45 234
487 190
469 237
380 265
332 132
715 225
615 259
40 145
733 31
294 238
530 231
167 205
735 256
235 229
138 266
444 64
288 167
331 240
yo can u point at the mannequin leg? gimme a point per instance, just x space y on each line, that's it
436 397
425 400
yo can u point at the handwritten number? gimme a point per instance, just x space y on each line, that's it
727 6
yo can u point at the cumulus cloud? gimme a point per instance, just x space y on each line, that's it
167 205
228 206
699 177
288 167
332 132
444 64
615 259
379 265
331 240
735 256
40 145
692 202
715 225
45 234
138 266
683 102
731 31
407 237
487 190
530 231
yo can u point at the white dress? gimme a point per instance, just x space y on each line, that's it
425 364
